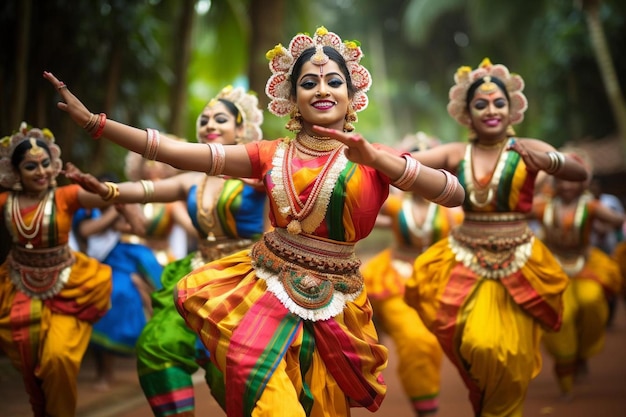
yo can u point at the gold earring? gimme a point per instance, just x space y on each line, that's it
294 124
510 131
17 186
349 119
472 135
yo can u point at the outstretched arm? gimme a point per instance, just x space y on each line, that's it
407 173
182 155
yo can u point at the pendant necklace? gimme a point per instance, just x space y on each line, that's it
29 232
206 216
481 195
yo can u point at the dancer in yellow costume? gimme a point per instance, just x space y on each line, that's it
288 322
416 223
567 217
489 289
49 295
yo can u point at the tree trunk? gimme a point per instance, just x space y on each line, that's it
178 94
266 17
607 69
19 94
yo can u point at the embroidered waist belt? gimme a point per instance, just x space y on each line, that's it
313 274
40 273
493 247
209 251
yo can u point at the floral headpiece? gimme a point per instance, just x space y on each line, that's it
282 60
8 176
247 104
465 77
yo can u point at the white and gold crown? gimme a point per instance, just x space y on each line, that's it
8 175
465 77
282 60
248 105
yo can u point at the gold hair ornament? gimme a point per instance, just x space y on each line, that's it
8 176
282 60
465 77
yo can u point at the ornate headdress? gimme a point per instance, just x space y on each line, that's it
465 77
247 104
282 60
8 177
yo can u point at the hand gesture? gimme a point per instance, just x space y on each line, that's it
70 104
533 163
359 150
87 181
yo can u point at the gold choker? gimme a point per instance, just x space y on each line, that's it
496 145
317 143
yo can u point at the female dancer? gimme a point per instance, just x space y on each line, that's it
228 215
49 295
567 218
287 322
416 224
136 273
488 289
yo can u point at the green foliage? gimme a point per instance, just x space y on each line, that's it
118 54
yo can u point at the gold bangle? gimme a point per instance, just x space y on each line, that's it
148 190
113 191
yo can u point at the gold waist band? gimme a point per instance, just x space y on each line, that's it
310 271
211 250
40 273
492 249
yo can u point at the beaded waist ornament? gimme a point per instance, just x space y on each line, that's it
211 250
492 245
313 278
40 273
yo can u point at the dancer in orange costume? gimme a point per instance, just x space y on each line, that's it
49 295
288 322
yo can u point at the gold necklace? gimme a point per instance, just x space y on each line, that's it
206 216
309 215
28 232
307 143
488 146
473 187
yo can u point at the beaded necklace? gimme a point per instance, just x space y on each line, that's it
315 146
306 216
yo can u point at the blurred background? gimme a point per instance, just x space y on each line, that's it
155 63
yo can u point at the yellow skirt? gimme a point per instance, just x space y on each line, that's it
585 316
419 353
490 329
46 340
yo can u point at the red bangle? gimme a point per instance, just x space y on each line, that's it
103 120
